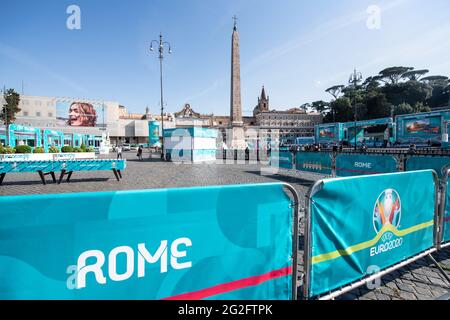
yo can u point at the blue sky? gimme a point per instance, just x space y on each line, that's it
295 48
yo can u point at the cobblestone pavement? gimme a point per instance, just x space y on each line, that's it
417 281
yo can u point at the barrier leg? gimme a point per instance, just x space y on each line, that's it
61 176
53 176
2 176
116 174
69 175
42 177
120 174
439 267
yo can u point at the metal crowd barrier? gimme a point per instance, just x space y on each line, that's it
347 231
66 167
109 247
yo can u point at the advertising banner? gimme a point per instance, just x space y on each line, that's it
328 133
56 166
26 157
281 159
89 165
446 213
362 224
153 129
317 162
79 114
363 164
26 166
421 128
221 242
440 164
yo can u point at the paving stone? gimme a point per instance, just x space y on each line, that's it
371 295
388 291
406 281
423 291
392 285
407 295
405 287
437 292
438 282
420 284
408 276
381 296
420 277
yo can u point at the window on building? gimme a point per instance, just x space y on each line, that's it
37 103
50 114
38 114
25 113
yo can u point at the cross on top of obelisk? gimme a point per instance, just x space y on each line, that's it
235 19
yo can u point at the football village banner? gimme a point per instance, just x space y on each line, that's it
317 162
446 220
362 223
363 164
225 242
281 159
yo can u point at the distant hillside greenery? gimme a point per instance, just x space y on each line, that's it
394 91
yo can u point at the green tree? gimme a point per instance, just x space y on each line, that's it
320 106
403 108
343 110
393 75
440 95
11 106
9 109
414 75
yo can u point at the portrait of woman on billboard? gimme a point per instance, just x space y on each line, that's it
82 115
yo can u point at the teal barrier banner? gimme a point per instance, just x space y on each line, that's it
363 224
446 220
221 242
363 164
26 166
56 166
281 159
437 163
317 162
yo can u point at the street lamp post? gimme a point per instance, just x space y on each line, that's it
161 44
355 78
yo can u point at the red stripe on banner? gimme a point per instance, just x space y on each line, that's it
234 285
447 219
359 171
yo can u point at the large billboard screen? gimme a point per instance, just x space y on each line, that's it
423 127
79 114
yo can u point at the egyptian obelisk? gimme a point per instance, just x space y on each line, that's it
236 124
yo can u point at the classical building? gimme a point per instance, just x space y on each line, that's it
187 117
292 123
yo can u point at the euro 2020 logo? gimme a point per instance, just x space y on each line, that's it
387 210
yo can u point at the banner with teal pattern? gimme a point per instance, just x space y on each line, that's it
446 220
440 164
363 224
363 164
281 159
219 242
55 166
317 162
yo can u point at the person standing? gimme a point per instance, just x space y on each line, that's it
119 152
139 154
